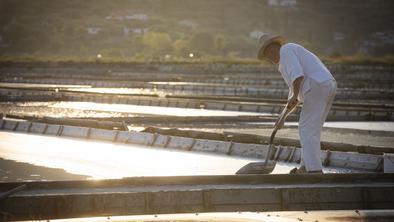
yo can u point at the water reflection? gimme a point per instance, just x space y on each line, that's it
361 125
156 110
107 160
114 90
39 85
101 160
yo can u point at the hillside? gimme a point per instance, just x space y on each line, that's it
166 29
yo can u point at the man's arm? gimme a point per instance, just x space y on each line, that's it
291 103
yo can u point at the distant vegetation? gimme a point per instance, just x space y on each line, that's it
70 60
189 30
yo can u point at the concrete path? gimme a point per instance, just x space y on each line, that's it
275 216
196 194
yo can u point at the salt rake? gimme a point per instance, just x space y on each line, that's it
267 166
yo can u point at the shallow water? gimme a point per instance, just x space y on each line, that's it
38 85
361 125
116 90
376 125
101 160
156 110
91 109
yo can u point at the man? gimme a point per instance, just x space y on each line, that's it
310 82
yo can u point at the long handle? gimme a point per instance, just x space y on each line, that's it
270 146
284 114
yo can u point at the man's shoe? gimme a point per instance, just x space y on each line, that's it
296 170
302 170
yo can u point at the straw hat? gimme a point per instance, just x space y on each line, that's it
267 39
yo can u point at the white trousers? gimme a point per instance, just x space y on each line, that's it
317 104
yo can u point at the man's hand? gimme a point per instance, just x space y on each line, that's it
292 102
279 123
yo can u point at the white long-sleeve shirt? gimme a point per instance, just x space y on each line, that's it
296 61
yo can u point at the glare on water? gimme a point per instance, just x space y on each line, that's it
101 160
107 160
157 110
